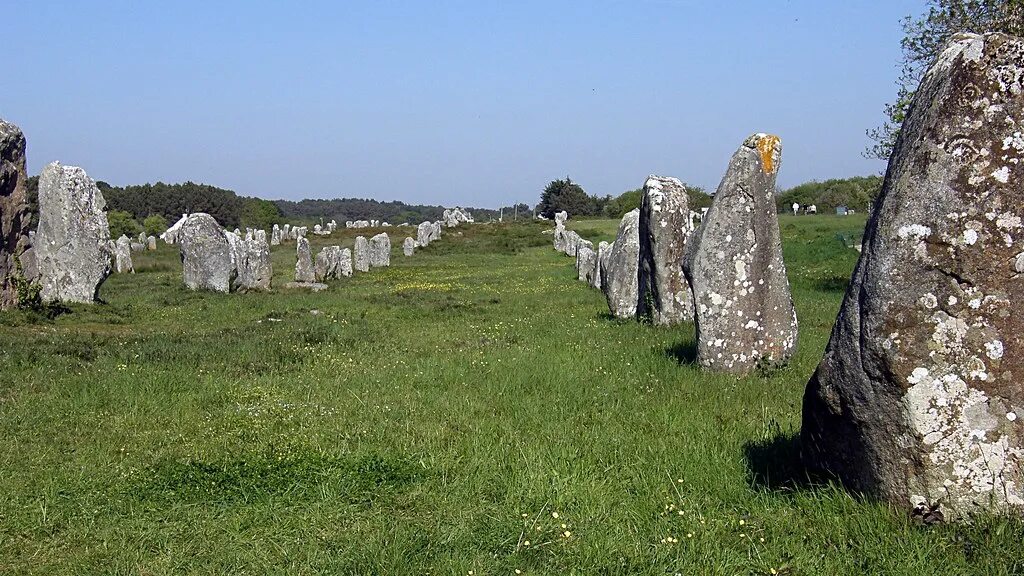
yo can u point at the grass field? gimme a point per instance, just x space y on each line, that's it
470 410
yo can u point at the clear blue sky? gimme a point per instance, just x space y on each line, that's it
445 102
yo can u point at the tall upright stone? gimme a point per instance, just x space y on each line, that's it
123 255
151 243
423 232
600 256
744 311
327 262
620 271
585 264
408 246
71 243
304 271
14 217
664 296
361 255
250 257
345 264
919 399
206 259
380 250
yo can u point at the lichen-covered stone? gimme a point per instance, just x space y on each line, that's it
620 271
327 262
664 293
14 217
250 257
71 243
919 397
361 255
205 254
423 233
151 243
304 271
408 246
585 263
601 257
123 255
380 250
345 264
744 310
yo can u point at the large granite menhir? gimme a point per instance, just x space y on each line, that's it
14 218
71 244
250 257
619 272
380 250
206 262
744 311
919 399
664 293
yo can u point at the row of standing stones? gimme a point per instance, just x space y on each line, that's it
71 254
919 397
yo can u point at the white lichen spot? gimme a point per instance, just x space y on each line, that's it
994 349
918 375
928 301
916 231
1002 174
1011 416
970 236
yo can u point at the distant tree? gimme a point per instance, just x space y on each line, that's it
566 195
258 213
623 203
154 225
697 198
32 200
857 193
122 223
923 40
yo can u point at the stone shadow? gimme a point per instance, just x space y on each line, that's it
775 464
683 352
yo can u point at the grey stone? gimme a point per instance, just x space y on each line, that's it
206 258
600 257
250 257
14 216
361 255
585 264
423 233
70 245
327 262
275 235
170 235
345 264
664 296
136 247
151 243
304 271
918 399
123 255
744 311
380 251
408 246
312 286
620 271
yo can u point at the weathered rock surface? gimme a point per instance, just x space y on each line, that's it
250 257
123 255
327 262
205 254
361 255
744 310
620 271
455 216
345 264
304 271
151 243
170 235
71 243
408 246
664 295
585 264
14 217
600 257
380 250
919 397
423 233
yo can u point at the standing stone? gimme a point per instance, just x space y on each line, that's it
435 231
123 255
170 235
304 271
250 257
620 273
380 251
423 233
408 246
151 243
327 262
664 295
275 235
919 397
585 260
559 238
136 247
361 254
206 258
345 265
14 217
71 249
744 311
600 258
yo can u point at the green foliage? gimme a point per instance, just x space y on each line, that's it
262 214
923 40
154 225
122 223
344 209
628 200
569 196
173 200
697 198
857 193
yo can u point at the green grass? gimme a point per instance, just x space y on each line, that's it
430 418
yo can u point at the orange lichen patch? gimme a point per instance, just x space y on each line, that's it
766 146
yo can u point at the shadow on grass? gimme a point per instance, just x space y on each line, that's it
683 352
832 284
774 464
